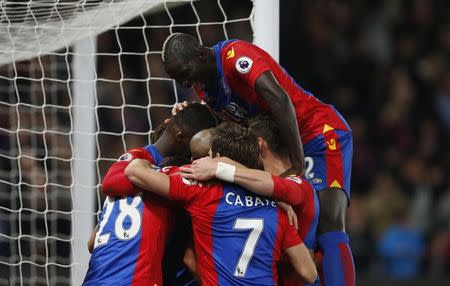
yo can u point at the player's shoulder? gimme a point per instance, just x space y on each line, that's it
295 178
134 153
237 48
301 181
170 170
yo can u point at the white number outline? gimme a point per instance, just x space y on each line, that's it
101 239
256 227
309 162
131 211
126 210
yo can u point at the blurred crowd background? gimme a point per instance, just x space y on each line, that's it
385 65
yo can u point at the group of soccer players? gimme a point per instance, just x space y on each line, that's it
243 218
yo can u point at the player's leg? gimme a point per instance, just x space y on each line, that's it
337 263
329 169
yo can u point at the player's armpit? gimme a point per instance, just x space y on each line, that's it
300 259
141 173
283 111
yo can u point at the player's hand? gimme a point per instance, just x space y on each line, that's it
200 170
178 107
290 213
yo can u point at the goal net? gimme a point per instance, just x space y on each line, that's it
81 81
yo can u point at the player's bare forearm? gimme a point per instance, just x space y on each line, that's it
300 259
141 173
284 113
203 169
91 241
256 181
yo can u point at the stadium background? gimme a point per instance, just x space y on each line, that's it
385 65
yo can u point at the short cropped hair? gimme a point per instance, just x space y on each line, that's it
231 140
154 136
194 118
179 46
265 127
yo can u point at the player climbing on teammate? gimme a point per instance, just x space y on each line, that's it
238 80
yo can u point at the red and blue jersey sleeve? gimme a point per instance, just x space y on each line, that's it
115 183
291 190
244 62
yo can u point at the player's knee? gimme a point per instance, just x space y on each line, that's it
333 207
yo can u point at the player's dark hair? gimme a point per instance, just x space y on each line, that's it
179 46
194 118
231 140
265 127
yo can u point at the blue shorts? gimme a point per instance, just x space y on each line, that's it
328 160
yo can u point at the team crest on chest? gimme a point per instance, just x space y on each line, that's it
244 64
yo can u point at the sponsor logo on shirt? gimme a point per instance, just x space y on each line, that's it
243 65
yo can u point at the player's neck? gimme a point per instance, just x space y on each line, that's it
212 64
276 165
163 145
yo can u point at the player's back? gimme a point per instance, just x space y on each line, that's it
238 236
244 62
130 241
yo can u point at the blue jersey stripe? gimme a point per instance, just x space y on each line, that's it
229 239
114 262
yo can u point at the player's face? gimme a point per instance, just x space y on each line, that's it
186 74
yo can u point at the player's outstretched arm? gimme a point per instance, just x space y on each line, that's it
141 173
284 113
300 259
257 181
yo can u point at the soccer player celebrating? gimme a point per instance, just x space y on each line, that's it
276 161
133 228
238 235
238 79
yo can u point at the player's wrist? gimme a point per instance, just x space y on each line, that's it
225 172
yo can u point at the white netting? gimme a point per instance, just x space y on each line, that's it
132 94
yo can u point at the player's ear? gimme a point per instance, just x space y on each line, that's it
201 52
263 148
217 155
179 134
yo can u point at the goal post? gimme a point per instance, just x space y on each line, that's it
267 26
80 83
84 155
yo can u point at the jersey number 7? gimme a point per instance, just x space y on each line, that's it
255 226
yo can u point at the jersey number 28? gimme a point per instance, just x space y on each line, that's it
126 210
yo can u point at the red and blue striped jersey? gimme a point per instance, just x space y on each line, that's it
239 64
133 229
238 235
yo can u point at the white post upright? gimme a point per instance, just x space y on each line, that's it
267 26
83 191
